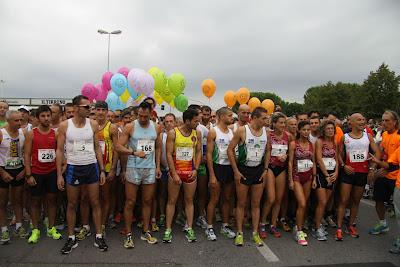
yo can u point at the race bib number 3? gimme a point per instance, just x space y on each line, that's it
304 165
13 163
330 163
184 153
46 155
278 150
145 145
358 156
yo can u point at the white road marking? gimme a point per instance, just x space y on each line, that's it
267 253
368 202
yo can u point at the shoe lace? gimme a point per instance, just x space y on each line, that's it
70 243
101 242
302 235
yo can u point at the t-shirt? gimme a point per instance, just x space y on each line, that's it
395 160
389 145
339 134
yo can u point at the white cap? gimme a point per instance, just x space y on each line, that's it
24 107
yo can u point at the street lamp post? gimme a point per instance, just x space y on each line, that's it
109 37
2 87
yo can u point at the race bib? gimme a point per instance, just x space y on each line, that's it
82 147
330 163
13 163
146 145
358 155
102 145
184 153
304 165
223 151
278 150
46 155
255 154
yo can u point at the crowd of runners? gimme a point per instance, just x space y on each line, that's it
92 169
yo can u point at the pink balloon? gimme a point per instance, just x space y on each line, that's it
124 71
87 90
105 80
102 95
135 79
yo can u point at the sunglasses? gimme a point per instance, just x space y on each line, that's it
84 106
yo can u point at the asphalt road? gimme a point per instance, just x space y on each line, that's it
365 251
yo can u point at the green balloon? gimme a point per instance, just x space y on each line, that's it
181 103
160 79
177 83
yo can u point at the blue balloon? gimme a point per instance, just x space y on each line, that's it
114 102
118 83
132 92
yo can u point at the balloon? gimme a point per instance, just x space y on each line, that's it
160 79
167 95
158 98
172 104
118 83
105 80
230 98
132 92
149 84
102 93
208 87
181 103
124 71
114 102
243 95
253 103
124 97
269 105
89 90
141 81
176 83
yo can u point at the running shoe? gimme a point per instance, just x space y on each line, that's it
306 225
352 231
83 233
396 247
167 236
103 230
339 235
100 243
218 217
146 236
284 225
190 236
257 240
154 227
53 233
262 231
34 238
140 225
319 234
201 222
331 222
301 238
239 239
111 223
227 232
324 222
379 229
180 219
210 234
128 243
5 237
69 245
161 221
20 232
273 231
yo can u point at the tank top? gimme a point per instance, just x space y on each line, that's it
328 155
43 152
106 146
302 165
312 138
80 144
357 152
279 147
184 153
204 133
164 162
12 150
221 143
143 139
252 151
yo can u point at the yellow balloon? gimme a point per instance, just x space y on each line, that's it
243 95
253 103
125 96
208 87
230 98
269 105
172 104
139 98
158 98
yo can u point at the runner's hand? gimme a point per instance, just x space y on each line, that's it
102 178
282 158
158 173
176 179
7 177
291 184
314 184
381 173
348 169
333 177
60 183
31 181
264 175
140 154
213 182
373 158
111 175
238 176
122 177
20 175
194 175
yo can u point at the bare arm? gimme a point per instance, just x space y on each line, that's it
170 151
292 146
199 156
210 148
28 152
318 158
158 151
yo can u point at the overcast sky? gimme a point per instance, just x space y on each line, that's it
51 48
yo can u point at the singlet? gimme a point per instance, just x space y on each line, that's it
12 150
164 162
357 152
106 146
143 139
312 138
328 155
389 144
43 155
221 143
279 147
204 133
184 153
252 151
303 164
80 144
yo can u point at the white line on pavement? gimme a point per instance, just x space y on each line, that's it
368 202
267 253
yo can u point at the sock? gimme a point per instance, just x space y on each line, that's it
224 224
99 236
18 225
4 229
72 237
86 226
383 222
209 226
153 220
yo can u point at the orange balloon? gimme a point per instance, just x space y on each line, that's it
243 95
208 87
253 103
230 98
269 105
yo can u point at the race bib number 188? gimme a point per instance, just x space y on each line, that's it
358 156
